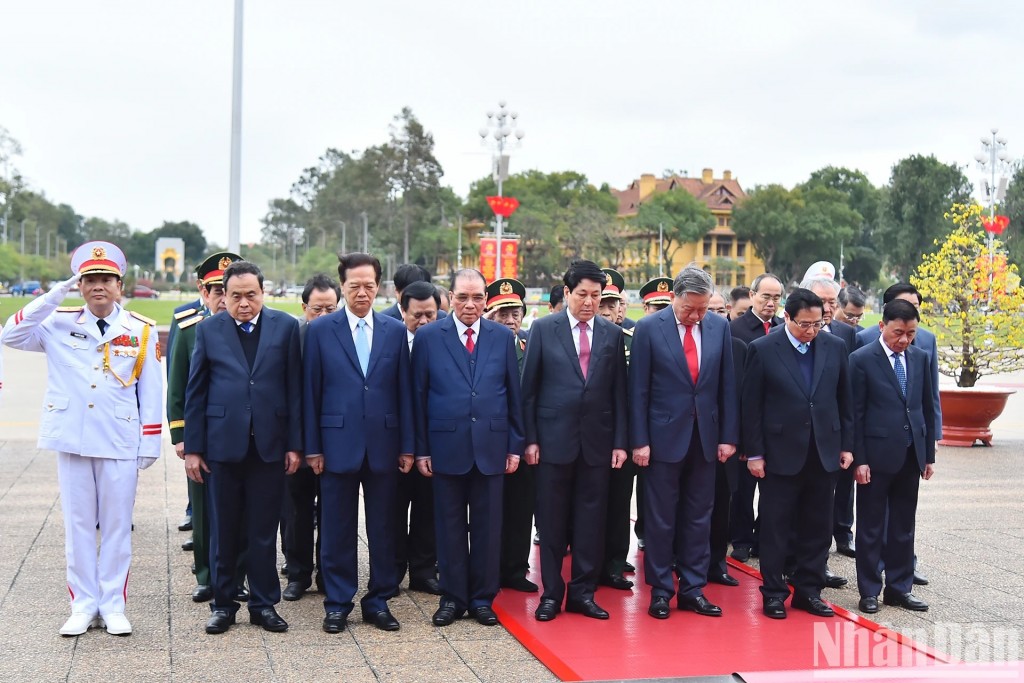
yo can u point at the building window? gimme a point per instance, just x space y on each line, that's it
724 249
707 247
728 222
723 278
722 221
741 249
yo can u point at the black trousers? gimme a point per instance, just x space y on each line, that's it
616 537
744 528
572 499
517 522
887 539
797 506
720 522
415 548
842 513
302 514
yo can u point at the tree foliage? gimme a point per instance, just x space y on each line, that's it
921 190
973 301
683 217
1013 208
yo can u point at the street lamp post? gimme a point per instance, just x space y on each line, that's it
993 158
497 136
344 230
366 232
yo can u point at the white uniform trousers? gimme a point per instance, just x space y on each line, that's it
97 490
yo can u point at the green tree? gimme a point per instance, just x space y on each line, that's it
685 220
1013 208
921 190
767 219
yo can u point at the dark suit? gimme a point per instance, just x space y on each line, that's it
360 424
726 477
519 500
896 439
743 527
798 415
683 422
468 419
243 411
926 342
576 422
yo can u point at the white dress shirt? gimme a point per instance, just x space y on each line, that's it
353 322
462 327
891 355
681 328
574 326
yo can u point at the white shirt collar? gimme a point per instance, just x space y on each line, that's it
888 352
573 322
353 319
793 340
462 327
253 321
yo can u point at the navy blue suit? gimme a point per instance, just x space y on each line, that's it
925 341
683 422
360 424
468 420
896 439
243 411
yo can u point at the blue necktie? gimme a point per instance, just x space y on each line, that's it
802 347
362 346
246 327
901 372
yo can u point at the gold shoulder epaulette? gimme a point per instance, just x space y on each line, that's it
184 314
629 331
190 322
138 316
70 309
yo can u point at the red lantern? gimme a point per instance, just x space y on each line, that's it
503 206
995 224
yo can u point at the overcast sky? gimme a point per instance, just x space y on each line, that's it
123 107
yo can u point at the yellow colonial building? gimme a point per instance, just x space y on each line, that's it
729 259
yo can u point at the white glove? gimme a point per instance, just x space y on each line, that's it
146 462
59 291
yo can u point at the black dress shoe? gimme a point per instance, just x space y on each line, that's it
446 614
834 580
185 524
812 604
628 567
269 619
521 584
188 545
659 608
484 615
335 622
920 579
587 608
846 549
740 553
868 605
383 620
242 594
202 594
723 579
616 581
294 590
219 621
905 600
547 610
428 585
774 608
700 605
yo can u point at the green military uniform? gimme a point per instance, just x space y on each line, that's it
656 294
518 500
211 272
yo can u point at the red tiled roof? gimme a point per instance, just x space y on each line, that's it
718 195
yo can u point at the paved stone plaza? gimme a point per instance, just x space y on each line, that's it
970 541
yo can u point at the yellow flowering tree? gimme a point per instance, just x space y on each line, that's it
973 301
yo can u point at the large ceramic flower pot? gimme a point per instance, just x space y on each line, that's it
968 413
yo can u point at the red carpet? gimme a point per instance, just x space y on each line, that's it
632 645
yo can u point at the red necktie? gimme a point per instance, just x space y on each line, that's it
584 349
469 340
767 326
690 349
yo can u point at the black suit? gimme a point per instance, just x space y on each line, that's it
798 415
896 439
743 527
726 478
577 422
243 411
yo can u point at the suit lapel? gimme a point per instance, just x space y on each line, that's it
456 348
564 334
882 357
785 352
379 335
269 325
670 328
234 343
344 334
819 364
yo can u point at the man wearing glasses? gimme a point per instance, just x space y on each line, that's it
798 433
851 306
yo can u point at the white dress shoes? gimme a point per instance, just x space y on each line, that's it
80 622
117 624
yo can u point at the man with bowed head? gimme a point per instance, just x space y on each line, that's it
683 418
469 434
102 414
243 434
359 431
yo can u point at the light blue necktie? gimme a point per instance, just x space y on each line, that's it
802 347
362 346
246 327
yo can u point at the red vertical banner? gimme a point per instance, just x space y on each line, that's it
510 258
489 258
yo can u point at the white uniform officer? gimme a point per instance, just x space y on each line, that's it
102 413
